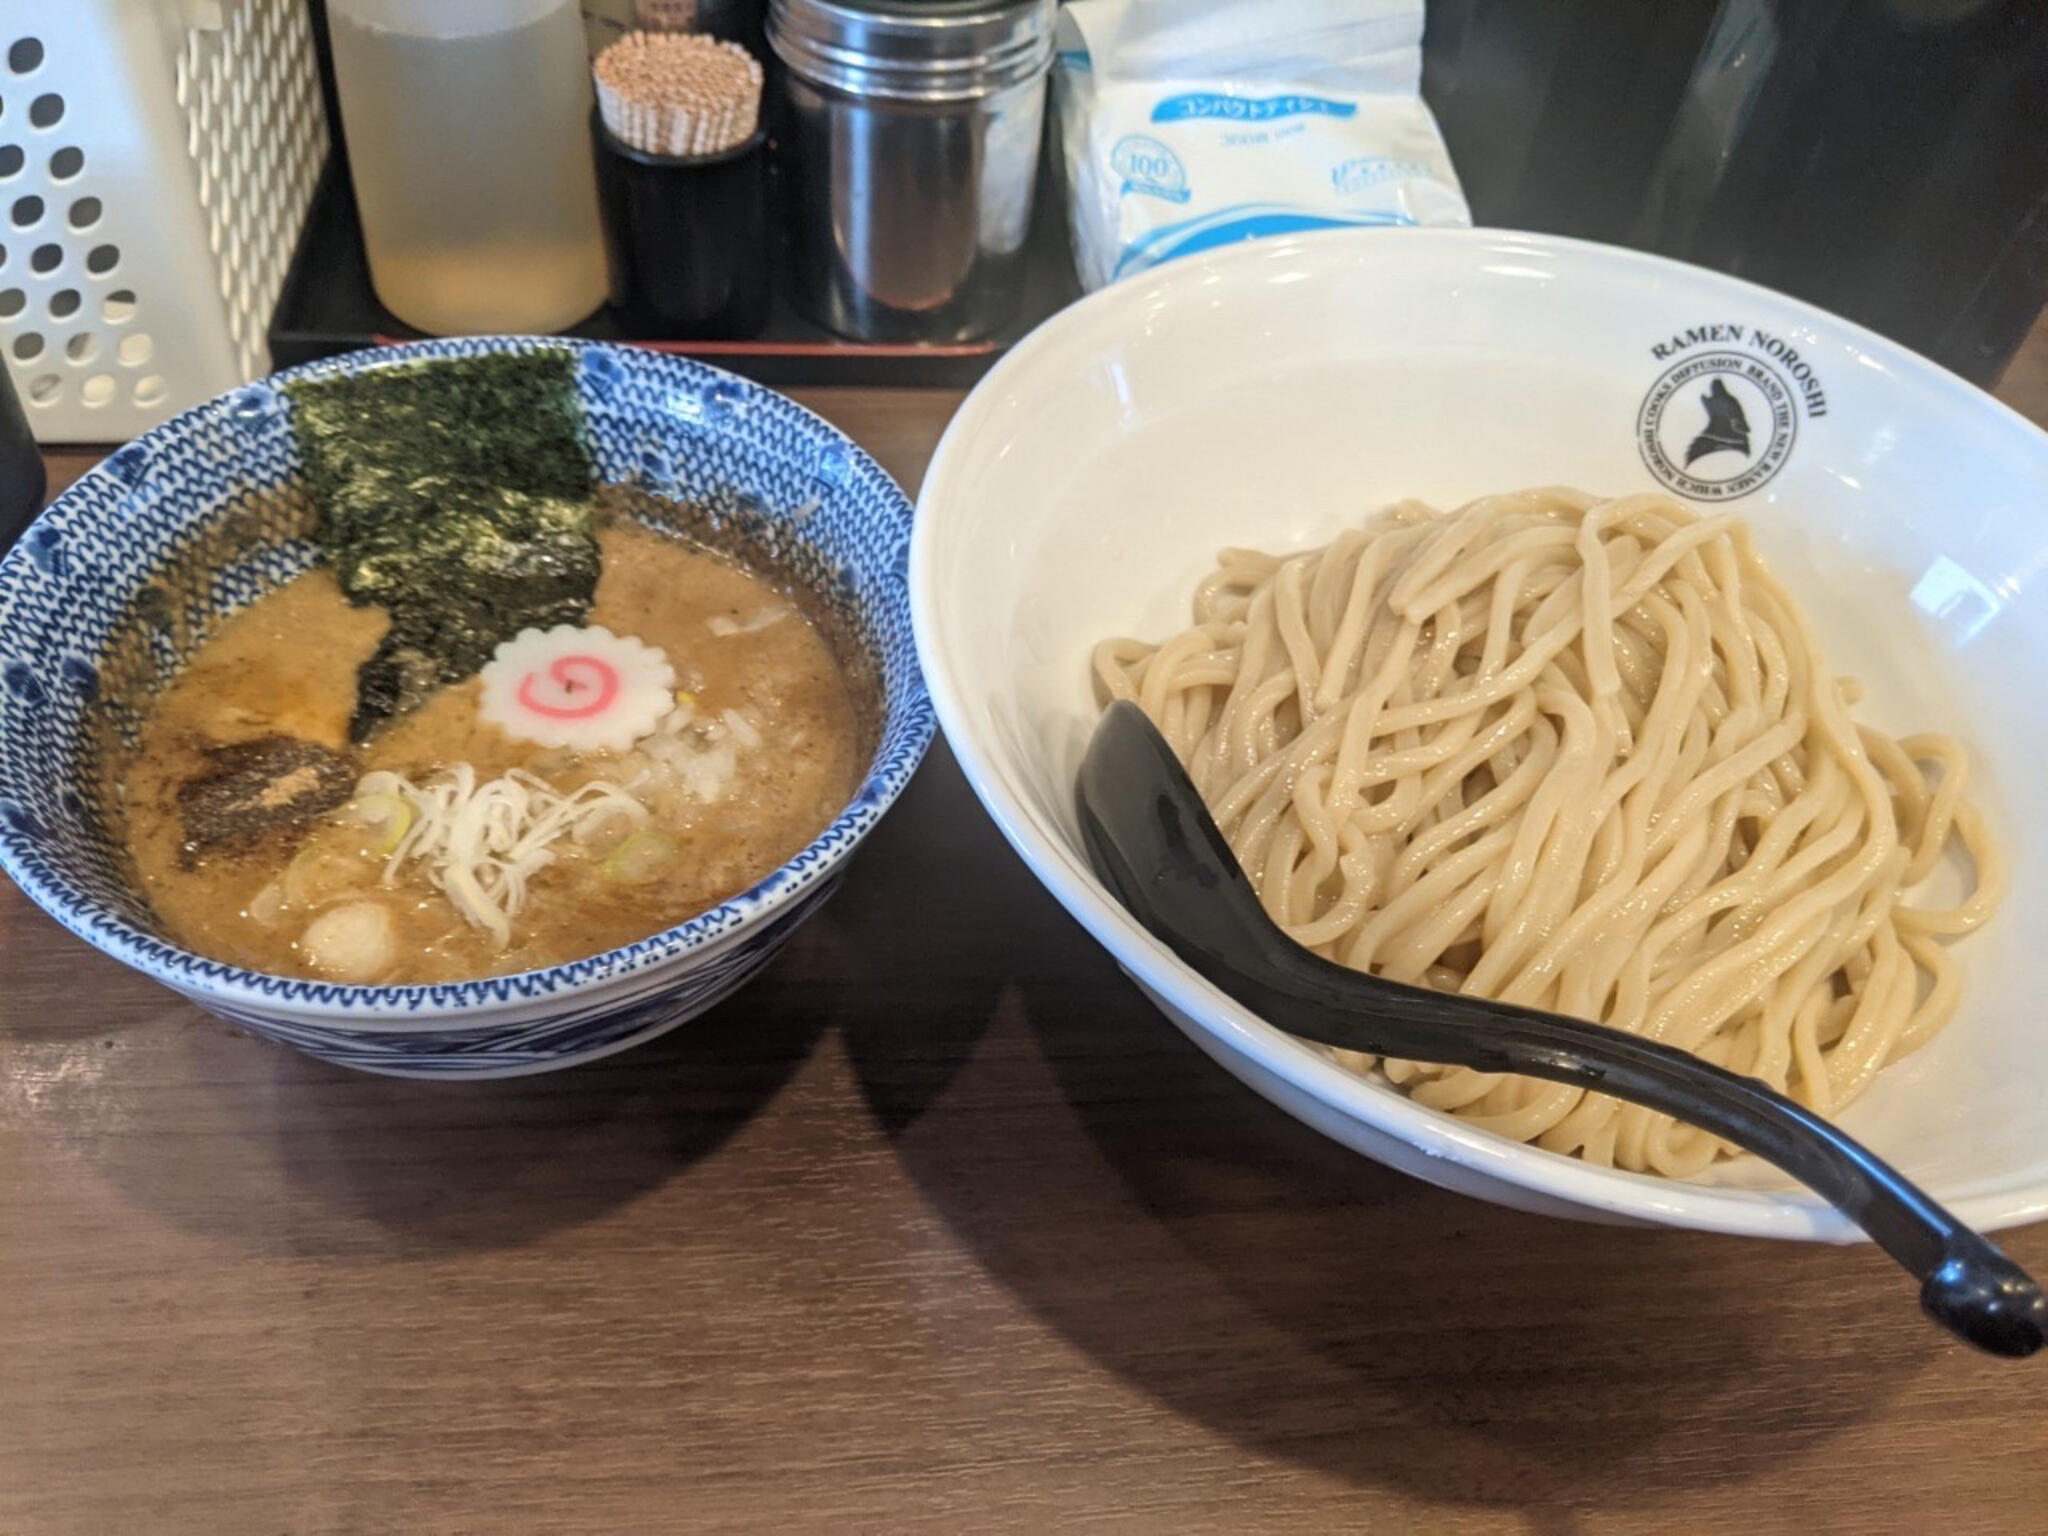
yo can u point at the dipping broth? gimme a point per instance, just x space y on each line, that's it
764 747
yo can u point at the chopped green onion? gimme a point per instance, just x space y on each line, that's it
640 858
353 942
385 819
320 872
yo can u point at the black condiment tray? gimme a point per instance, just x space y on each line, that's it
328 306
1560 118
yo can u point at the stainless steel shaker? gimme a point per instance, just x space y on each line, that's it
910 149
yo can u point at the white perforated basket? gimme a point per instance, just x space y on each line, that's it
157 158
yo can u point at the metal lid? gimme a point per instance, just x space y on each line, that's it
940 50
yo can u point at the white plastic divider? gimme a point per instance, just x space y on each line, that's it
157 160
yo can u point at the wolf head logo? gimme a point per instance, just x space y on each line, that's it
1727 427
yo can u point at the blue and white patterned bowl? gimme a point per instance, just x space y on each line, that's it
107 594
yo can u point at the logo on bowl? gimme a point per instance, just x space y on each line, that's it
1724 416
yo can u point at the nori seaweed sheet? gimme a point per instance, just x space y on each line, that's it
456 494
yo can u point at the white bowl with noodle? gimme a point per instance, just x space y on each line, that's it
1270 395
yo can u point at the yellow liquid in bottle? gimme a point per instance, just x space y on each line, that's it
469 146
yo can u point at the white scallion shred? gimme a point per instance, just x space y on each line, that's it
742 728
760 619
483 842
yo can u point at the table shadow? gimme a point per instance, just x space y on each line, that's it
284 1155
1312 1305
928 936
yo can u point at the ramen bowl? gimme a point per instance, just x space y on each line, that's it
1268 394
107 594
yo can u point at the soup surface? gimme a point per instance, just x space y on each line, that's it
771 750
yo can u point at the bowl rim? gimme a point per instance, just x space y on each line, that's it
487 1001
1379 1107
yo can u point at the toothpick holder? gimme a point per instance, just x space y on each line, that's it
687 238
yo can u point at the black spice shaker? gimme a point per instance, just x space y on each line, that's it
22 478
733 21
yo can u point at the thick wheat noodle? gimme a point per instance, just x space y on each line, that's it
1584 755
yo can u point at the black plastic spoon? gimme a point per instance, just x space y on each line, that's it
1152 840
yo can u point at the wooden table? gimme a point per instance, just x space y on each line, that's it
937 1226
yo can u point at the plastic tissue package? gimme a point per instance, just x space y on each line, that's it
1187 124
